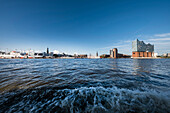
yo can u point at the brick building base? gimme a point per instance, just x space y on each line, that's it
142 54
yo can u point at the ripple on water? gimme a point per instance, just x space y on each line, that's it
92 99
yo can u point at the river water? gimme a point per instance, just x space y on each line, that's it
85 85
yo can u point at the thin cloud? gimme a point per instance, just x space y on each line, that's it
110 47
161 42
120 44
159 39
123 46
162 35
128 41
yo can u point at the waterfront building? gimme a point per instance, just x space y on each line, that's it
15 54
39 55
63 55
166 55
30 54
51 53
104 56
140 49
111 53
2 53
114 53
5 55
81 56
23 55
93 56
155 55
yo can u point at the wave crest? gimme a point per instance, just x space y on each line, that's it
92 99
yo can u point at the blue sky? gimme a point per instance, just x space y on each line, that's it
84 26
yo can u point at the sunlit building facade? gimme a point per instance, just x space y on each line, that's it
140 49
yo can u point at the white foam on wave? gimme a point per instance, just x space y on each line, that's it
93 99
115 100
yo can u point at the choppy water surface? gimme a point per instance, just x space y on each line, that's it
85 85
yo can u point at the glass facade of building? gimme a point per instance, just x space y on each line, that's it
140 46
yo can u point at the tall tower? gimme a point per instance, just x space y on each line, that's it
115 53
96 54
90 55
47 51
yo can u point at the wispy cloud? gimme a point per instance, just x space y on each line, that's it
124 46
162 35
159 39
116 46
161 42
128 41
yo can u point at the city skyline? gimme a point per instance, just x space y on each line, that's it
84 26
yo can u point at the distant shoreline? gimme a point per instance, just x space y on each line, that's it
147 58
94 58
